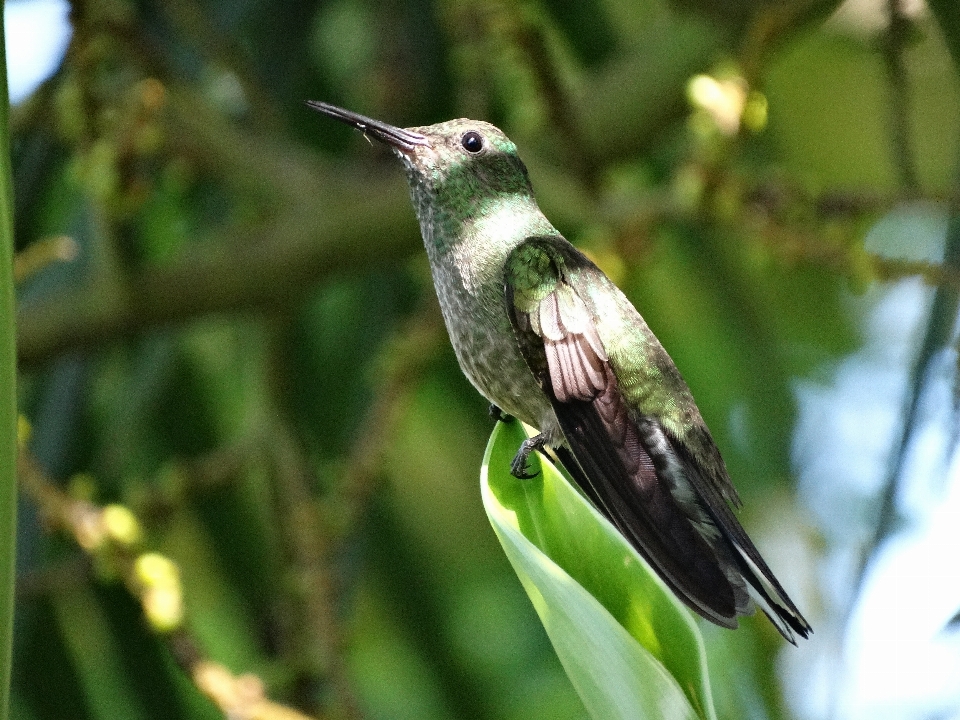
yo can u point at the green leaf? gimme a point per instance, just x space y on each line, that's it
8 396
630 648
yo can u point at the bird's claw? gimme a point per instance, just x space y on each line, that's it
518 467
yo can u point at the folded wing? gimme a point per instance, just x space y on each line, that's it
637 472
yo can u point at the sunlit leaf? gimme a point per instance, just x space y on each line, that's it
630 649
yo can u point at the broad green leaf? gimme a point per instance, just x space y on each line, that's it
629 647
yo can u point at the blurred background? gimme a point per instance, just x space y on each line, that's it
227 326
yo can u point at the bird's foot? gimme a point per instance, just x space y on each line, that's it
499 415
518 468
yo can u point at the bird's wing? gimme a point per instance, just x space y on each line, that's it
629 443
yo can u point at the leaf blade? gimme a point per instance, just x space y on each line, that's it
627 644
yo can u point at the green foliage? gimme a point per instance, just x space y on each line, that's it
8 397
628 645
227 324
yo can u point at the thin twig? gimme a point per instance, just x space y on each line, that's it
894 44
314 634
561 109
399 368
111 534
943 312
311 634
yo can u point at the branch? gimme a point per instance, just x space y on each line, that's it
400 366
233 276
313 631
112 534
320 221
893 46
560 105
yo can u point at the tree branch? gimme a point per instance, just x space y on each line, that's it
243 274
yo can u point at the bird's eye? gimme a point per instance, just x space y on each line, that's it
472 142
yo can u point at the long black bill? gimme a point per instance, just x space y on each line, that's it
405 140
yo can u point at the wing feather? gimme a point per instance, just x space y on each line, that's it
647 480
550 319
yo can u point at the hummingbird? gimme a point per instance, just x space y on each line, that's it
546 337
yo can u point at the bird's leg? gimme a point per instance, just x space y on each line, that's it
499 415
518 468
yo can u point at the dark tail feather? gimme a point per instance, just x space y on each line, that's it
608 461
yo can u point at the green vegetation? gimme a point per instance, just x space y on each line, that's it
252 479
8 397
